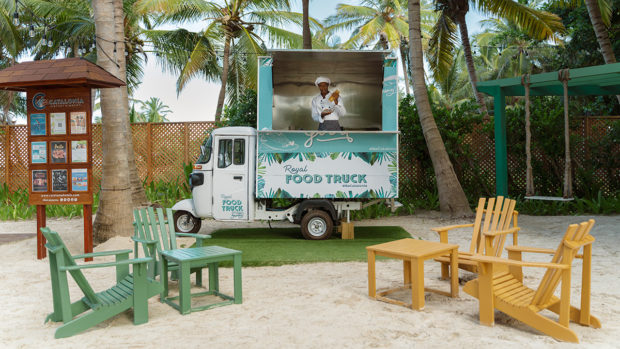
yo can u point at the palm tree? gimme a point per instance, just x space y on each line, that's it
236 25
153 110
73 31
12 45
307 36
455 89
506 51
382 24
452 198
539 25
600 13
114 215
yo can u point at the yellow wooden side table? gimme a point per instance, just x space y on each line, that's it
413 253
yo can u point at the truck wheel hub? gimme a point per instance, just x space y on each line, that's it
185 223
317 226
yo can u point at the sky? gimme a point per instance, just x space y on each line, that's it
197 101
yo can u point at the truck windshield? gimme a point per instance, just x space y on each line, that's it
205 151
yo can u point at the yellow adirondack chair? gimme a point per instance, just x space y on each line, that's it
505 290
492 222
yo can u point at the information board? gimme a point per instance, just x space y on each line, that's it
60 146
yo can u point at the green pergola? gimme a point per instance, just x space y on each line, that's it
590 81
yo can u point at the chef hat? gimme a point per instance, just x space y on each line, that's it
321 79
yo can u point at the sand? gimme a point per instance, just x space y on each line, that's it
322 305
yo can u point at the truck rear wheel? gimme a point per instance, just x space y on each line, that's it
317 225
185 222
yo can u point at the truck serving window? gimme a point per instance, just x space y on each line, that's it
225 155
205 151
239 152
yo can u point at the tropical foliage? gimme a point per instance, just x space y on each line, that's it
151 110
235 33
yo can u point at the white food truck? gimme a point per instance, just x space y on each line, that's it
324 174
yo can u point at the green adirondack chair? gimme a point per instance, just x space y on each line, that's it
132 290
149 225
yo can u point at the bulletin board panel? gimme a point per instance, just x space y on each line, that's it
60 146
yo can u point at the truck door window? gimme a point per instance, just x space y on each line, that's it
205 151
239 152
225 153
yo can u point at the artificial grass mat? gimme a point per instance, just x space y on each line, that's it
279 246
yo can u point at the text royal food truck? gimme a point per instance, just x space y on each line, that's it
325 174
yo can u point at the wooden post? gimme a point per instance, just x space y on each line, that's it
186 144
41 253
501 152
149 152
88 230
7 156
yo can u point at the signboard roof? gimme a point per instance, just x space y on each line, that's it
68 72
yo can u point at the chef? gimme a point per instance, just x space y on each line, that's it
327 107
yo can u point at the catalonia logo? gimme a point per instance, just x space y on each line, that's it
38 101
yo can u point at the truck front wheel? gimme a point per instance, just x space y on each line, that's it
317 225
185 222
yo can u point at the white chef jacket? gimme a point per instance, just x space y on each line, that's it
319 104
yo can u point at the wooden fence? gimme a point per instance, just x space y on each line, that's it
161 150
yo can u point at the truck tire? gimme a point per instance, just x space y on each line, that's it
185 222
317 225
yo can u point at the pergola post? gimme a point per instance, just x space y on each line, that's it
501 151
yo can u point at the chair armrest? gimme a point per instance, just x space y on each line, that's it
110 264
450 227
502 232
197 236
148 242
518 248
488 259
53 249
101 254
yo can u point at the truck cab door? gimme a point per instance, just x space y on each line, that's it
230 178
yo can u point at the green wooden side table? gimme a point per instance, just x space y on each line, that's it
200 257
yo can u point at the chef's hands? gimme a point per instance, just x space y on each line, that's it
326 112
335 97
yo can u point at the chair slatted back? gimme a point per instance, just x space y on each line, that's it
576 233
476 235
504 224
498 215
60 256
150 224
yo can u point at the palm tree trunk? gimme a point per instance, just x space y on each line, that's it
602 36
306 25
138 195
225 64
471 68
403 60
10 95
114 215
452 199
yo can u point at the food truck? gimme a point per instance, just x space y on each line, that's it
243 171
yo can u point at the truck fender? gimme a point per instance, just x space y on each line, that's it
185 205
324 205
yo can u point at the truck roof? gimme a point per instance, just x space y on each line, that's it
234 131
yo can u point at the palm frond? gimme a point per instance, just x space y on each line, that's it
441 47
540 25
